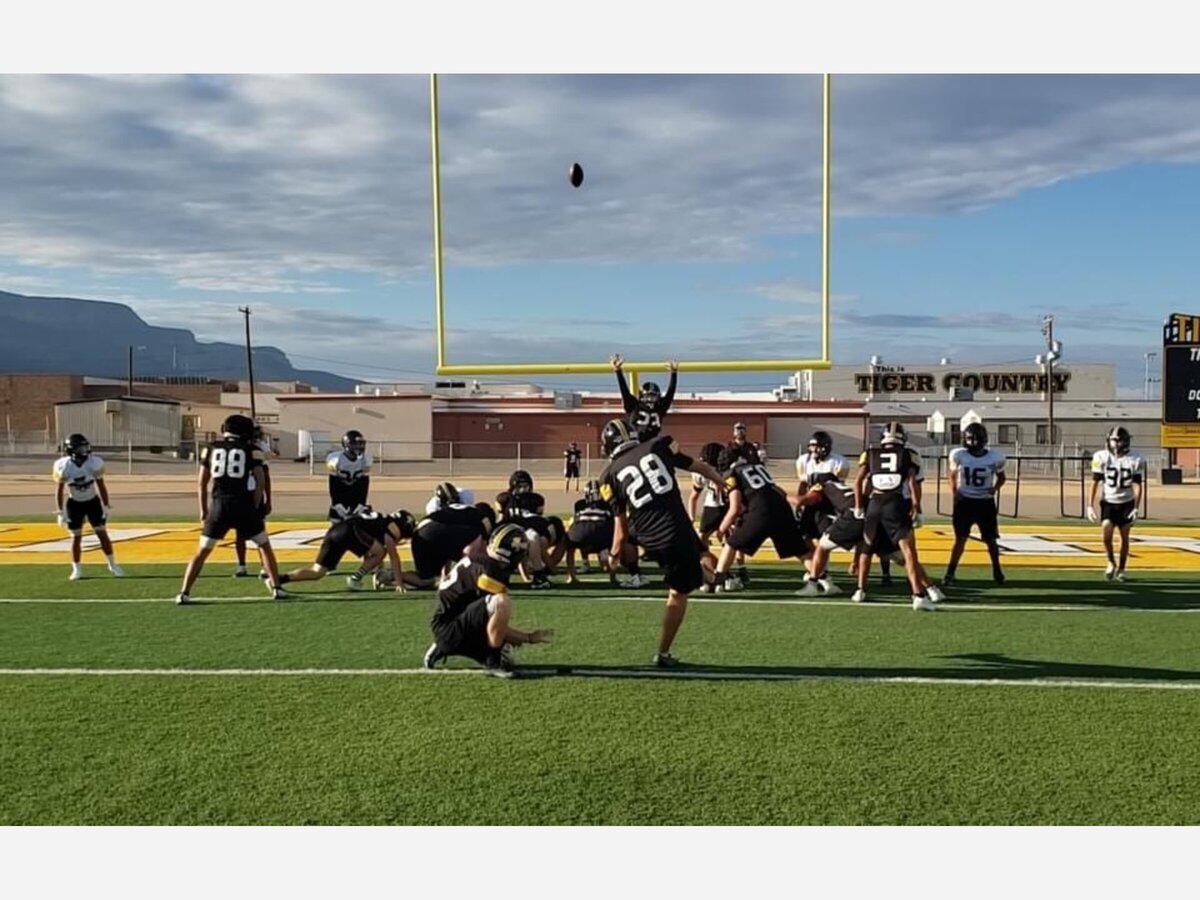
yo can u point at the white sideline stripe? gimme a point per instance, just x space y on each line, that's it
948 606
683 675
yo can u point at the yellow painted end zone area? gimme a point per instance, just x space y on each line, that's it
1064 546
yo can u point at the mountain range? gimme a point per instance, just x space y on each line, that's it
93 337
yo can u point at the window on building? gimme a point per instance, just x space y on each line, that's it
1009 434
955 433
1043 432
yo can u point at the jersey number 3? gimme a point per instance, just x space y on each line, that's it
230 463
647 478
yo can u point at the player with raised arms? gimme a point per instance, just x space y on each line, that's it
640 484
1122 472
645 411
976 476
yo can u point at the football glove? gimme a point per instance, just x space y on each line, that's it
918 520
1091 514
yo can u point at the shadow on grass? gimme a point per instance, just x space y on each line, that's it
971 667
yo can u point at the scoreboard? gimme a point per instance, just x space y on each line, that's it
1181 381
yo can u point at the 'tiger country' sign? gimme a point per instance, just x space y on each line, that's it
988 382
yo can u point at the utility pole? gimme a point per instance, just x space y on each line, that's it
129 383
245 310
1047 360
1148 384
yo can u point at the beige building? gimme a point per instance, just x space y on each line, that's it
404 422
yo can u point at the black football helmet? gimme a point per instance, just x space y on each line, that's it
820 445
650 393
238 426
975 438
711 453
354 443
405 524
1118 441
447 494
77 447
520 482
615 437
508 545
894 435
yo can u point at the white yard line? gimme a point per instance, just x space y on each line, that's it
685 674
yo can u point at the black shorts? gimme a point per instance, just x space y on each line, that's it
340 540
466 633
1117 513
548 527
437 544
711 518
591 537
980 511
233 514
571 470
778 524
812 520
79 510
680 563
888 522
846 531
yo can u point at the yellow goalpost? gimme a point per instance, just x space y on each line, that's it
603 367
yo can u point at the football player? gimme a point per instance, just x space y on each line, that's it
239 543
80 494
571 457
369 536
474 609
976 476
758 510
1122 472
645 412
747 452
591 531
227 464
449 494
524 506
445 536
349 476
714 503
817 465
890 516
640 484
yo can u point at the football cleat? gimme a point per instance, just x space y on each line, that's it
499 663
998 577
183 600
730 584
76 574
584 569
240 572
810 589
541 581
1120 576
116 570
665 661
923 604
859 596
1110 570
948 579
354 584
633 582
830 589
433 656
280 594
935 593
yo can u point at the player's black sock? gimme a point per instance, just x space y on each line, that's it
284 579
361 573
635 568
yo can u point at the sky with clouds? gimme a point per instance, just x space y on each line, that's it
965 208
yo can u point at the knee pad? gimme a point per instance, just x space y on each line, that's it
260 540
207 543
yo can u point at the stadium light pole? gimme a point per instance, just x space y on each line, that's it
1047 360
245 311
129 370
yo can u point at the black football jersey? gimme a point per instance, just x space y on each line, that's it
593 511
457 516
837 496
757 488
746 451
519 505
890 467
573 456
230 462
473 577
645 419
641 483
373 527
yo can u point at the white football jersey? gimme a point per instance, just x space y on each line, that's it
813 471
976 474
80 478
1119 474
712 493
348 470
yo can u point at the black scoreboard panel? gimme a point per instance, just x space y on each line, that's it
1181 384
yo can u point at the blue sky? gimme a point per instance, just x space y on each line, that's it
965 208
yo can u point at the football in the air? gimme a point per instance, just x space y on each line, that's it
575 174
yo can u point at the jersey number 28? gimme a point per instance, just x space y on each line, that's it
649 477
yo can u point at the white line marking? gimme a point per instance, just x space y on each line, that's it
699 674
948 606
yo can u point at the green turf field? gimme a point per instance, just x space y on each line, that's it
1055 700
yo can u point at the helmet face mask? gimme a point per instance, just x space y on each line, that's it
975 438
353 443
591 491
820 445
650 393
520 482
615 437
77 447
1118 441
